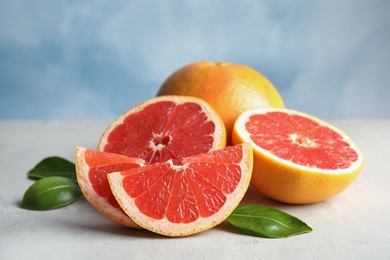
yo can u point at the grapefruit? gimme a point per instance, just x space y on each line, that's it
229 88
157 130
175 198
164 128
91 169
298 158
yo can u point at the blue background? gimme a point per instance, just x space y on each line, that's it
96 59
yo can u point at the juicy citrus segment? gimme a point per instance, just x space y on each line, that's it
186 198
297 158
164 128
92 168
229 88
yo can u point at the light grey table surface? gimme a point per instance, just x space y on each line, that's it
352 225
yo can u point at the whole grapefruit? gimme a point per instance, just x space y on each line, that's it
229 88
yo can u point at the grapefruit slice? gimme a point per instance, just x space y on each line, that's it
165 128
180 199
298 158
92 168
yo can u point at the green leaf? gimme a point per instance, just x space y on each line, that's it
266 222
53 166
50 193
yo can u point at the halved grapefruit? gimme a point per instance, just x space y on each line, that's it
298 158
175 198
92 168
164 128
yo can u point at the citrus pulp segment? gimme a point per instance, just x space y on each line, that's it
180 199
164 128
297 158
92 168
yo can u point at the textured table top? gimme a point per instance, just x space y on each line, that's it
352 225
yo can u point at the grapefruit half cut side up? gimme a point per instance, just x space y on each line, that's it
165 128
183 199
92 168
298 158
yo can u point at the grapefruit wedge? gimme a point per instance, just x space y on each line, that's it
92 168
298 158
182 198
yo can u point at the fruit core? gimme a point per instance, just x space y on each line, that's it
160 141
302 141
